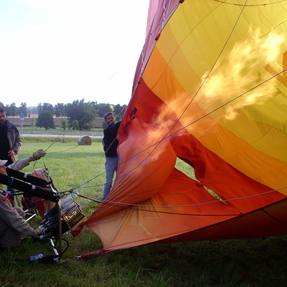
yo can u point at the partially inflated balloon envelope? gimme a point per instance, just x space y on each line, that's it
210 90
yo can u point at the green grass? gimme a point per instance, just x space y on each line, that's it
260 262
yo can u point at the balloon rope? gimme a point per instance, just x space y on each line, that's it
142 207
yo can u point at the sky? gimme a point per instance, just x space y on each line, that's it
58 51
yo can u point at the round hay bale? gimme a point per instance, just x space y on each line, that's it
85 140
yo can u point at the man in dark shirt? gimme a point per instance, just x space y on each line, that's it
110 144
10 142
4 144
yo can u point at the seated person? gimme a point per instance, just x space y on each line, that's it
13 226
37 203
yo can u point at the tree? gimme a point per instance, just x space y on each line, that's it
45 120
82 113
23 110
102 109
63 125
119 111
60 110
12 110
45 107
74 125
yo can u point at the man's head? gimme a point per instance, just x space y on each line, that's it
109 118
2 116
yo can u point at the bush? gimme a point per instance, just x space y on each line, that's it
45 120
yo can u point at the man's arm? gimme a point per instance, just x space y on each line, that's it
17 141
21 163
105 140
118 124
13 219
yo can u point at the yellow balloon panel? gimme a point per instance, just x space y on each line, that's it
227 61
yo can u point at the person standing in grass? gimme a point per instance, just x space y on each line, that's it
10 142
110 144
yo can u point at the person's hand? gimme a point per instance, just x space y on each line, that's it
37 155
39 231
12 155
36 237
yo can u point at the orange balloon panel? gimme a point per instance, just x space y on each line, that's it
210 89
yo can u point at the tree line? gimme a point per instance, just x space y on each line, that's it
80 114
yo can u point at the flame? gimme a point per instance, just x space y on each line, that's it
150 142
164 124
242 72
156 135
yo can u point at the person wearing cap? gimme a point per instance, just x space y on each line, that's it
13 227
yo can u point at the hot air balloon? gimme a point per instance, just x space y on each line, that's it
210 89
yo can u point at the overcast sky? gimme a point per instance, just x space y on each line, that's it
57 51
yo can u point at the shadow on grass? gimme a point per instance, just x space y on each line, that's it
260 262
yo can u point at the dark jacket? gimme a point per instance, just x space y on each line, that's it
13 137
110 141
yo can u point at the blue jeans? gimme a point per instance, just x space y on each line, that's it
111 167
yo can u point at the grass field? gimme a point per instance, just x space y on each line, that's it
260 262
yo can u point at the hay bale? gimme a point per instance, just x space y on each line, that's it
85 140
